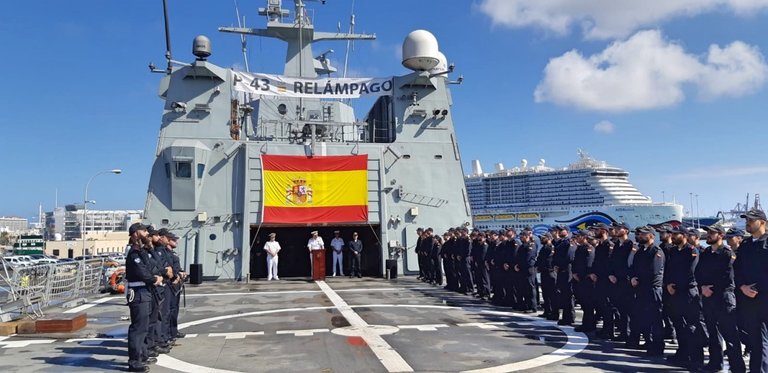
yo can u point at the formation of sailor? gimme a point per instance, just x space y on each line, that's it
154 280
674 289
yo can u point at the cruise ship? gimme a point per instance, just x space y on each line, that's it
583 194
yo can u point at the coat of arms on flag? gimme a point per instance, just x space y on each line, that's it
319 189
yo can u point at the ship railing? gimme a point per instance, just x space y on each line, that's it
29 290
290 132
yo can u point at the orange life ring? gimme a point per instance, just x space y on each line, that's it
114 281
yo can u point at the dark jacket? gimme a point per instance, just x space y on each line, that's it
647 265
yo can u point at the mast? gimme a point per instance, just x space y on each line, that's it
299 35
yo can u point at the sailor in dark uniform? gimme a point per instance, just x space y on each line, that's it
449 242
685 301
694 238
355 251
156 264
176 284
508 266
620 291
665 244
425 248
479 252
583 284
734 237
525 272
562 262
169 275
646 271
752 281
139 278
492 240
464 259
714 275
546 269
457 264
499 289
163 259
599 274
420 255
436 259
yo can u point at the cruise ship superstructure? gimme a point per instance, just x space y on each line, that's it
585 193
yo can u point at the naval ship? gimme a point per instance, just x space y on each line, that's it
580 195
244 154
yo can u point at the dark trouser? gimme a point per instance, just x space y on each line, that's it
482 278
605 307
174 319
720 318
422 266
525 287
646 318
355 270
755 324
467 285
140 305
622 296
508 282
428 270
549 292
450 278
669 330
457 265
564 297
745 308
154 321
165 309
437 269
686 316
496 286
584 291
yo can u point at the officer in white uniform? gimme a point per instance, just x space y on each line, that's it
315 243
272 247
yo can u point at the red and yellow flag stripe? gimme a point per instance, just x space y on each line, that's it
321 189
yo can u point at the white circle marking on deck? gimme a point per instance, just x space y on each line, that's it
575 343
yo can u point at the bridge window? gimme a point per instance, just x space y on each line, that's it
184 170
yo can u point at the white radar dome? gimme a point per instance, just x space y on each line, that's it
201 47
442 64
420 51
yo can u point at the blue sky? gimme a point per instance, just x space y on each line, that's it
674 92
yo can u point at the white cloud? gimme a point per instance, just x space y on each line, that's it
646 72
601 19
604 127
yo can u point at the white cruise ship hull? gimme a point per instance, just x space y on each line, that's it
580 217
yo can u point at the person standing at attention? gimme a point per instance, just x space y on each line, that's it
356 249
337 243
272 247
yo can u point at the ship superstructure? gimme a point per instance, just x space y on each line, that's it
586 192
220 126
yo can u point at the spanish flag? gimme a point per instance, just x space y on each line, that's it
320 189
